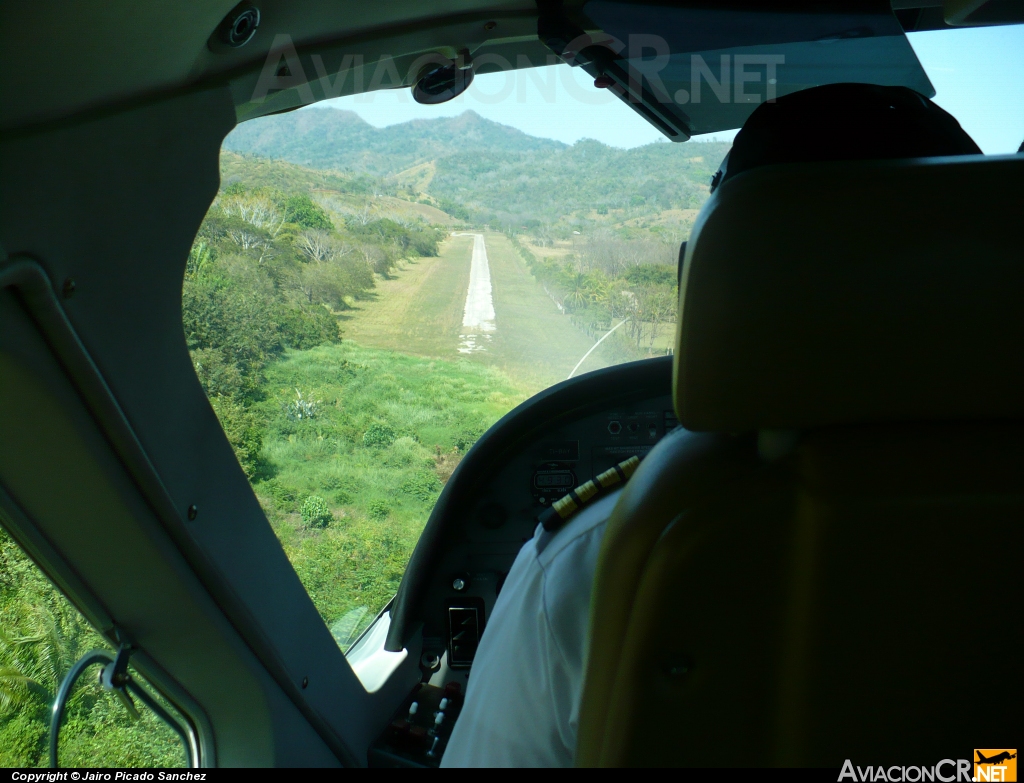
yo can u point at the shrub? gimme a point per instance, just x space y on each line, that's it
652 274
301 408
424 486
219 377
22 740
463 440
244 432
379 509
379 435
282 495
453 208
307 326
341 497
233 313
315 512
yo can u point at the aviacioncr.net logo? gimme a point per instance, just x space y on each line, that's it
946 771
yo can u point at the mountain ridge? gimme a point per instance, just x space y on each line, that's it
341 139
488 172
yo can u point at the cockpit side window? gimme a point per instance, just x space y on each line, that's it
41 637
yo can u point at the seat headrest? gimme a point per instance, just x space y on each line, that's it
845 122
847 292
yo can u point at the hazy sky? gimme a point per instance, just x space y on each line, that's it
978 75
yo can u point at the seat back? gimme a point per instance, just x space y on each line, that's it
821 568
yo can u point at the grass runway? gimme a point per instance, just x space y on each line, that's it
419 312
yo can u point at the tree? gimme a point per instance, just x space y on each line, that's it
33 658
256 210
576 297
198 258
302 210
322 246
325 282
661 308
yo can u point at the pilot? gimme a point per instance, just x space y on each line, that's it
523 700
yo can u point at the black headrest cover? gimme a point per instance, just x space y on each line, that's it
845 122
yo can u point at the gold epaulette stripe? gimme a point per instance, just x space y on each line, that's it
565 507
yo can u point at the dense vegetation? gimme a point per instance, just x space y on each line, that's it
331 139
599 287
358 444
496 175
41 636
347 446
268 271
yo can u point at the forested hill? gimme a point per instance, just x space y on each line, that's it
339 139
488 172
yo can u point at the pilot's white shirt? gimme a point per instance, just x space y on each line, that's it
523 698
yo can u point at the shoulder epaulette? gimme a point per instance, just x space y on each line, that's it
559 512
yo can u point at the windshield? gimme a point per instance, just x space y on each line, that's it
378 282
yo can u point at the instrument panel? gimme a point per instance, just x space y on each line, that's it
503 515
553 442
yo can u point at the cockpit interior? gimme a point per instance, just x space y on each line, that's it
813 560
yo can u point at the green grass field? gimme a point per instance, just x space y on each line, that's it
387 431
